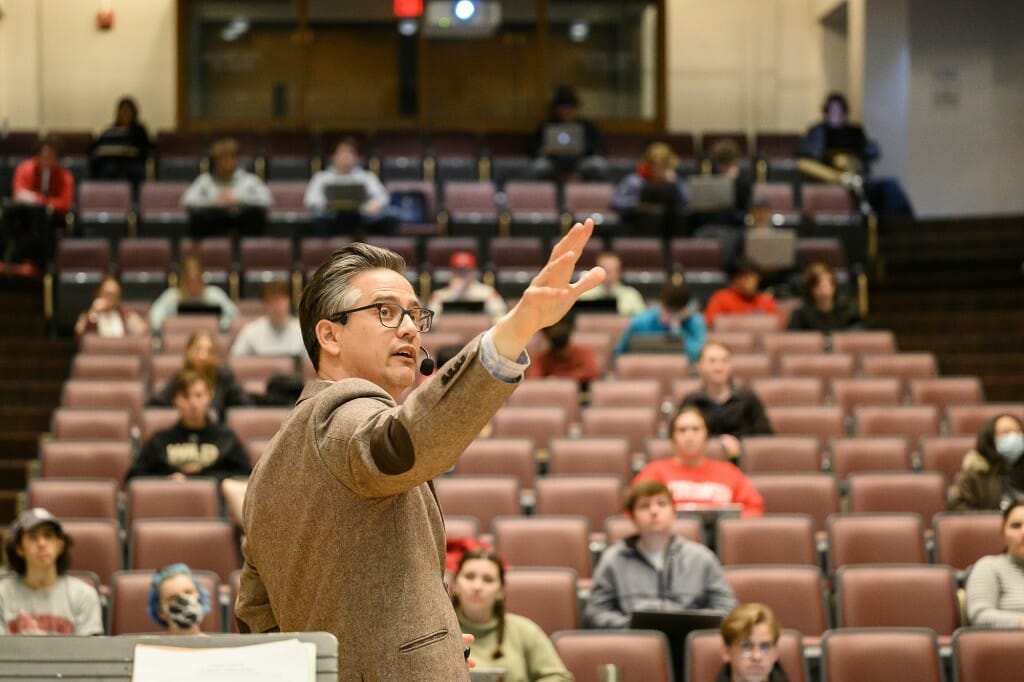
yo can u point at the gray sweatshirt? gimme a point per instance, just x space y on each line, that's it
995 592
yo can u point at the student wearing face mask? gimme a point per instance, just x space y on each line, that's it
563 358
994 470
177 601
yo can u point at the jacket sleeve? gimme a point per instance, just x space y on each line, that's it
228 309
198 194
314 199
62 202
234 393
983 590
694 335
812 145
165 305
719 595
713 309
375 191
965 494
87 612
254 192
233 460
627 193
603 609
757 418
623 345
253 609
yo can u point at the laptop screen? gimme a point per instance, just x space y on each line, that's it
563 139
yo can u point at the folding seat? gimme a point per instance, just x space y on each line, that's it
591 200
94 344
500 457
104 209
398 155
909 421
156 419
635 423
776 146
980 655
539 424
608 323
860 343
795 593
822 421
261 369
515 262
626 392
598 342
217 256
438 252
99 394
903 366
852 393
466 325
778 197
532 208
461 526
736 342
482 497
256 423
828 204
659 448
593 497
881 453
749 366
91 424
547 541
404 246
923 493
548 392
682 388
828 250
162 497
164 367
80 265
778 391
129 598
203 544
967 420
106 367
893 538
781 454
262 260
643 263
696 255
84 498
469 209
820 365
756 323
289 216
144 264
880 655
813 494
620 527
898 596
547 596
160 208
288 155
961 538
660 366
778 344
505 158
773 539
704 655
189 324
452 155
638 654
96 546
942 392
945 454
406 194
85 459
608 456
314 251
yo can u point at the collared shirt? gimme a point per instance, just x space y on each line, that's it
500 367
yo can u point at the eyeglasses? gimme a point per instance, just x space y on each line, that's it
391 315
747 648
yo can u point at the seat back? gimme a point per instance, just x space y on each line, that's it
203 544
961 538
638 654
85 459
779 454
499 457
594 497
821 421
775 539
635 423
482 497
91 424
980 655
545 541
813 494
96 546
775 391
162 497
851 393
549 392
880 655
86 498
897 596
795 593
910 421
539 424
547 596
883 453
945 454
922 493
875 539
608 455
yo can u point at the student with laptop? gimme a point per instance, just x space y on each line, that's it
654 191
675 317
465 286
566 143
627 300
228 199
346 198
654 570
192 295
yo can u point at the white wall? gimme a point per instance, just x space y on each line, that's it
965 157
60 71
885 100
743 65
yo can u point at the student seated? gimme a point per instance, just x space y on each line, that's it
750 633
177 602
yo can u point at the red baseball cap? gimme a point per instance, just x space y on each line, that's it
462 260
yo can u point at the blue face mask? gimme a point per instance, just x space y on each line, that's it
1010 445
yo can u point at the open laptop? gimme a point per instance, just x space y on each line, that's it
596 305
345 196
198 308
563 139
656 343
711 192
770 248
463 306
676 625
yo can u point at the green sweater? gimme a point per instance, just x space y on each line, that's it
527 653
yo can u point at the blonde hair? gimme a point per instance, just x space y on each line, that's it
742 620
660 154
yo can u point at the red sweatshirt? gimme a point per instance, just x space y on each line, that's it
712 484
60 192
728 301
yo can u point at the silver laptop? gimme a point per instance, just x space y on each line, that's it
771 248
564 139
711 193
345 196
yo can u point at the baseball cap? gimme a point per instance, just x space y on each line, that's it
462 260
33 518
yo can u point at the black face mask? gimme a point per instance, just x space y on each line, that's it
559 341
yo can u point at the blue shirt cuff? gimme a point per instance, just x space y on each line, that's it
500 367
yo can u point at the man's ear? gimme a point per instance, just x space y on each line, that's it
327 337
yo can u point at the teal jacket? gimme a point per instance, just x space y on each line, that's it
692 330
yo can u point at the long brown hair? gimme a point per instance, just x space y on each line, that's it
499 605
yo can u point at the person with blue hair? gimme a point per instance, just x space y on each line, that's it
177 601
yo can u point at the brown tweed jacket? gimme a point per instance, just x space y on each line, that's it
343 531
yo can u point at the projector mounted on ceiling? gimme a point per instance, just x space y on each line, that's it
461 19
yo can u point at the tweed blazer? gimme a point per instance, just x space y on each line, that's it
343 530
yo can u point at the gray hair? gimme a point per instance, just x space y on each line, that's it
330 288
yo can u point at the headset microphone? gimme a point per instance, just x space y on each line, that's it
426 365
